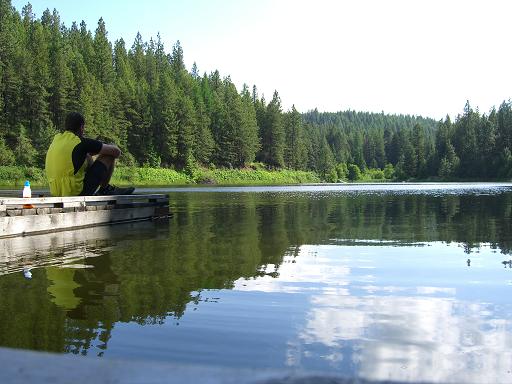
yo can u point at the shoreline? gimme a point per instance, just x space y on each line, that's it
13 177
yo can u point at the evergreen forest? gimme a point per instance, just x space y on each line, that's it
142 97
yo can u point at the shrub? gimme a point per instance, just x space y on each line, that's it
14 176
377 174
389 171
354 173
342 171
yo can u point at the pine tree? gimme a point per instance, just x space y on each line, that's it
487 145
24 152
503 135
338 141
123 99
465 141
229 133
369 151
178 65
86 47
357 147
273 134
59 72
260 108
36 79
185 120
326 165
195 72
237 140
295 149
449 163
6 155
136 56
249 141
419 144
407 166
165 124
103 61
203 141
214 100
380 151
11 59
313 142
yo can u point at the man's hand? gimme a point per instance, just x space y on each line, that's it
89 160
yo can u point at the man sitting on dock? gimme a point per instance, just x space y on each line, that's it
70 168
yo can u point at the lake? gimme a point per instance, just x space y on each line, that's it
408 282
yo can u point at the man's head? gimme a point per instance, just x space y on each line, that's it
75 123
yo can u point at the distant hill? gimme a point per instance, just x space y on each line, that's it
350 120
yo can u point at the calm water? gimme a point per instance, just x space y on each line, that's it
404 282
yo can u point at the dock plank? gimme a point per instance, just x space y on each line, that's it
76 199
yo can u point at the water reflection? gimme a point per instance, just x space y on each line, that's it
407 331
373 284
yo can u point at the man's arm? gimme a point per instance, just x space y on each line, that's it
110 150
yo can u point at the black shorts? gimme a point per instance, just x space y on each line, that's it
94 175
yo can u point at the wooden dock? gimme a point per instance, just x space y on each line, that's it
22 216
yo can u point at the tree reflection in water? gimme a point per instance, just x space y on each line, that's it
149 273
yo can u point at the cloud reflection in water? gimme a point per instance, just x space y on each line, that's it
412 318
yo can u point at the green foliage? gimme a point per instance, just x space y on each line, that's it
24 152
257 166
144 100
261 177
342 171
389 171
191 168
272 133
505 160
373 175
376 174
148 176
15 176
325 165
332 176
295 148
6 155
354 173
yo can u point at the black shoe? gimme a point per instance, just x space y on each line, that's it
110 190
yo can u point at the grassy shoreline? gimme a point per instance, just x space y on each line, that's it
15 176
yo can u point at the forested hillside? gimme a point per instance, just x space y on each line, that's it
142 97
475 146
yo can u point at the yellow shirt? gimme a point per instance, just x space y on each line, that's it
59 166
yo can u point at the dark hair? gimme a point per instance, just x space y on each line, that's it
74 121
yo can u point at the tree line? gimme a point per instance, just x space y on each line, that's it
163 115
474 146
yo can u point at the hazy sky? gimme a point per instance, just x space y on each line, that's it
397 56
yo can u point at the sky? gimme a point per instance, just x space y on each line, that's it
397 56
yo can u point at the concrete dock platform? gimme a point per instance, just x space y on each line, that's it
22 216
26 367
